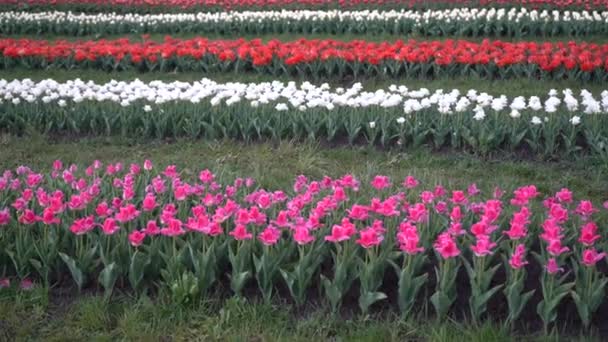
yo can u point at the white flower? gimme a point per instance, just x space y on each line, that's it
515 114
147 108
536 120
372 124
401 120
575 120
281 107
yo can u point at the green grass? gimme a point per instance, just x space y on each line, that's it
88 317
275 166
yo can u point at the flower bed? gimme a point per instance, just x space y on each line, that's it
221 5
320 58
460 22
161 228
553 126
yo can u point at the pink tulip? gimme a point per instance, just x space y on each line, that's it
381 182
458 197
26 284
585 209
5 217
136 238
408 239
552 266
173 228
483 246
517 258
302 235
589 234
564 195
446 246
109 226
555 248
151 228
410 182
369 237
5 283
591 257
269 236
240 233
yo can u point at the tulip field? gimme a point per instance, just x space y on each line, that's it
304 169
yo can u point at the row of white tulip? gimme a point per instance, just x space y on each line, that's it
283 96
415 16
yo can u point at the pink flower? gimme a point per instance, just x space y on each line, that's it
591 257
149 202
517 258
338 233
455 229
83 225
173 228
103 210
26 284
369 238
410 182
5 217
552 266
439 191
427 197
381 182
136 238
473 190
269 236
555 248
109 226
206 176
458 197
418 213
605 205
302 235
483 246
28 217
524 194
585 209
408 239
127 213
564 195
240 233
358 212
152 228
456 214
5 283
588 234
558 212
147 165
446 246
441 207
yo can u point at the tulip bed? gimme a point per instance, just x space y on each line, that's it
320 58
458 22
223 5
521 250
397 117
148 228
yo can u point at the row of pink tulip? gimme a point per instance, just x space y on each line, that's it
145 226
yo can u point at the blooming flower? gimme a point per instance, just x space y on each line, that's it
269 236
552 267
446 246
517 258
136 238
591 257
240 233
